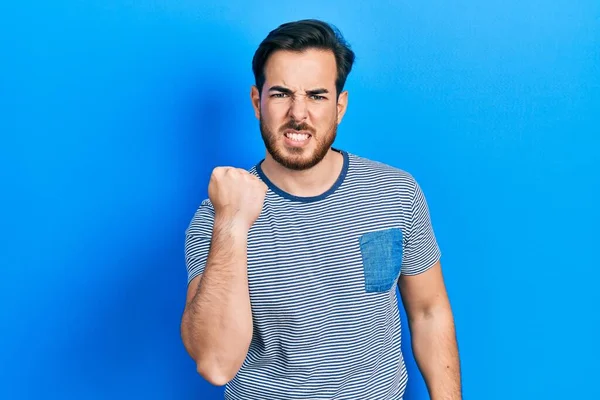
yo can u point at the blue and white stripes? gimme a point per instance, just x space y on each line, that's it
318 333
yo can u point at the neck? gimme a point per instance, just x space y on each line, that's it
307 183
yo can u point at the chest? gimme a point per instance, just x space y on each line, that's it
318 260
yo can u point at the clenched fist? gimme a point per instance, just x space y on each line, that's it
236 195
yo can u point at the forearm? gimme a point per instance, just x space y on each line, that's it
436 352
217 324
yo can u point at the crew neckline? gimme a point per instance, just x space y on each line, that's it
307 199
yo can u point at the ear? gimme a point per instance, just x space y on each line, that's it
342 104
255 98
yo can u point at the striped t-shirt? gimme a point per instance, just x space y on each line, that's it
322 276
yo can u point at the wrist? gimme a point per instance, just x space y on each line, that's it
232 224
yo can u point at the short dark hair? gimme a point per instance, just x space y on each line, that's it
303 35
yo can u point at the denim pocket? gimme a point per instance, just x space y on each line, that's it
382 257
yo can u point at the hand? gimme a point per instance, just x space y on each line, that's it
236 195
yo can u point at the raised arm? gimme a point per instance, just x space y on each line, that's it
216 326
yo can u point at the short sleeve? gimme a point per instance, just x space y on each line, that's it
421 250
198 236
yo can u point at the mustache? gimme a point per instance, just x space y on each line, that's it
298 127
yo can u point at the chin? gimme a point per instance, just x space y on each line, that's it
296 159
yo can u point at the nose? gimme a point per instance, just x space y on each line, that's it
298 109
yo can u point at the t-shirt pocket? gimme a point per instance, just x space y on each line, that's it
381 253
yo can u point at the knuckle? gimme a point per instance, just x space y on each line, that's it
218 170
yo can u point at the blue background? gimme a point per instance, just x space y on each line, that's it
113 114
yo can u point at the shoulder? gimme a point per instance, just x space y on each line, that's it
202 220
253 170
380 173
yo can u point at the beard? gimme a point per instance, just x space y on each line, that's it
296 158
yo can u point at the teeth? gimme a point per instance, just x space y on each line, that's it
298 137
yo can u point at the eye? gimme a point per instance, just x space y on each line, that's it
317 97
279 95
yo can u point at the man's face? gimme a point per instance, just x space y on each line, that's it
297 108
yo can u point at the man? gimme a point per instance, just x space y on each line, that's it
293 265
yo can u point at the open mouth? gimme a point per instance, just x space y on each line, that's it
297 139
296 136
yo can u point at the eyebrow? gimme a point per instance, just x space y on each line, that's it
288 91
317 91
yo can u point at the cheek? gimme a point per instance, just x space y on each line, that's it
274 113
324 118
277 106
